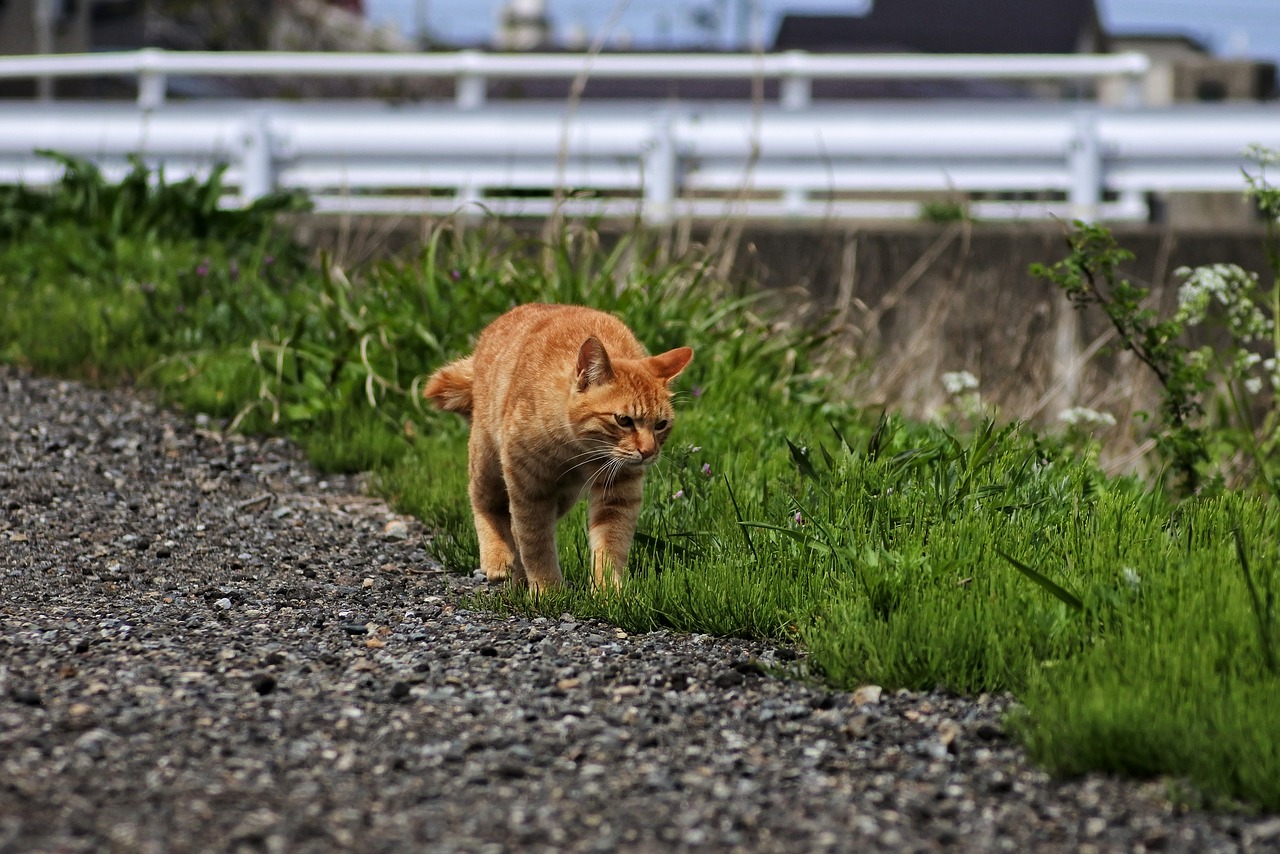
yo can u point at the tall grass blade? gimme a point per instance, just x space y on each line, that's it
1056 590
742 524
1263 612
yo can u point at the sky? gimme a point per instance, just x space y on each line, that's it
1233 28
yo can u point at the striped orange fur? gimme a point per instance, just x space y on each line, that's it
563 401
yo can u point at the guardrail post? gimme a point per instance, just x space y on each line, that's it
257 166
470 86
151 89
796 87
469 199
1134 88
658 172
152 81
1085 164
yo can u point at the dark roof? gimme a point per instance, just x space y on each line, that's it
948 26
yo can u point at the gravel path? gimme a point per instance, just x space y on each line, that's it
206 646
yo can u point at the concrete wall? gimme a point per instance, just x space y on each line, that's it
915 302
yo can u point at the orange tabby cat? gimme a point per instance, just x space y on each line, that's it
561 399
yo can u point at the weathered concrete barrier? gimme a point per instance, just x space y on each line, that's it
923 300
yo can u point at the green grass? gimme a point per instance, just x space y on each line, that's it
1140 636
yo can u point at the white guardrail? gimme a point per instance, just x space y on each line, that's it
795 158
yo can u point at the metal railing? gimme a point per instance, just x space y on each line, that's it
1000 159
471 70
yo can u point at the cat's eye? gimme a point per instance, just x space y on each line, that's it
662 425
624 421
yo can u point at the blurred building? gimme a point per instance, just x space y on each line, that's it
523 25
69 26
946 26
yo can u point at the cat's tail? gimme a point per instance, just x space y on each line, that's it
450 387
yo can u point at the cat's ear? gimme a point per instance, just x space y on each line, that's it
594 367
667 366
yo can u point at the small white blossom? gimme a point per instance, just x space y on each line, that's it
1131 577
1272 369
1246 359
1253 385
1085 417
956 382
1232 287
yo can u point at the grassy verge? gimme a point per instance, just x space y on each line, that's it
1140 635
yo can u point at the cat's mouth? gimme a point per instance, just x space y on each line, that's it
638 460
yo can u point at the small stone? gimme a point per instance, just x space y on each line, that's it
510 771
374 643
264 683
399 690
948 732
396 529
368 582
489 651
355 628
1267 831
224 603
988 731
867 695
568 684
728 679
26 697
858 726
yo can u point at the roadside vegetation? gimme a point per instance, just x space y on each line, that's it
1136 621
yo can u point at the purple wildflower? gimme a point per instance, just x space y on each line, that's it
706 469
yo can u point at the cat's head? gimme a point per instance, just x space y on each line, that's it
623 406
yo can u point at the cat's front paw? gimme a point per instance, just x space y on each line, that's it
497 574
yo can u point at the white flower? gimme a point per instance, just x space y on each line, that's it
956 382
1086 417
1253 385
1131 577
1229 285
1246 360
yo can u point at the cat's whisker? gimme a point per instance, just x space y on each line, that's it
596 454
599 473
